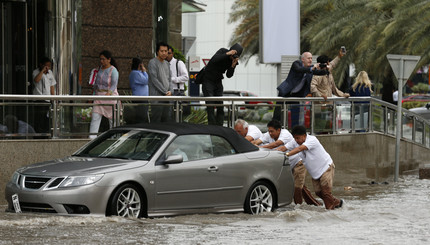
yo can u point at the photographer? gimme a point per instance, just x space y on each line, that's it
324 86
43 79
223 61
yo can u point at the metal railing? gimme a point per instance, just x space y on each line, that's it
70 116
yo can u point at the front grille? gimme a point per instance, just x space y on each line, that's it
56 182
36 207
34 182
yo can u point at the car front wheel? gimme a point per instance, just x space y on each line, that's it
127 202
259 199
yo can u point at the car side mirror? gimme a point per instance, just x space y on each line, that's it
428 106
174 159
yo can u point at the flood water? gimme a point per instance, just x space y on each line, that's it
384 213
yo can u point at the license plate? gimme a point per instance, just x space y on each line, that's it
15 202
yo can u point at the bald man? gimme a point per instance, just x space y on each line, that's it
298 84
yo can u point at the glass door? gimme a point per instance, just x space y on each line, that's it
14 63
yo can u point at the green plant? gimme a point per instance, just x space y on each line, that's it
421 88
197 116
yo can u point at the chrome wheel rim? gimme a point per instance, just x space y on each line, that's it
261 200
128 203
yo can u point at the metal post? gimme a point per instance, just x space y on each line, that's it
177 110
233 114
312 118
285 113
54 118
399 121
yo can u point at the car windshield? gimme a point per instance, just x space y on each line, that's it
126 144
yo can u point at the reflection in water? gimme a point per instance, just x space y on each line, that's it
380 213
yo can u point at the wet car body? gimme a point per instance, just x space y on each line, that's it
217 171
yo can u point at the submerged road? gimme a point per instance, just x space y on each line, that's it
381 213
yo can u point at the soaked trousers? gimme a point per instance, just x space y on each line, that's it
300 190
323 188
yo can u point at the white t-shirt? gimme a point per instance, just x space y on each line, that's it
296 158
254 132
180 77
316 159
285 136
396 95
43 87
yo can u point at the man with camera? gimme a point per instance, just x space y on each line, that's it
324 86
223 61
297 84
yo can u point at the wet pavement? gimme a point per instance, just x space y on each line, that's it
379 213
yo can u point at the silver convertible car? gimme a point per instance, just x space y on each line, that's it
156 170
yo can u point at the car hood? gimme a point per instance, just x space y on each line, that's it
80 166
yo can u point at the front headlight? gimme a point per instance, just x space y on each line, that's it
15 178
72 181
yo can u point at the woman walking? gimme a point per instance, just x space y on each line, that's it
105 84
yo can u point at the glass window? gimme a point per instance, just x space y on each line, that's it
191 147
221 147
134 144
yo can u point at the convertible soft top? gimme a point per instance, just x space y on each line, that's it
240 143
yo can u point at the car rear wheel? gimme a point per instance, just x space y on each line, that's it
127 202
259 199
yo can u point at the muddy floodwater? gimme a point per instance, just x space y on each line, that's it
381 213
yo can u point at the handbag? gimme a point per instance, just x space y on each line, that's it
93 75
200 76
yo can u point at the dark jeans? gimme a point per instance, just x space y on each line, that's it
136 114
161 113
215 114
294 109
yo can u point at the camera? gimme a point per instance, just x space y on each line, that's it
323 65
235 56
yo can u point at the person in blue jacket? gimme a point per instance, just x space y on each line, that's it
138 79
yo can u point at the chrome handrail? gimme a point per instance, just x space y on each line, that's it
60 101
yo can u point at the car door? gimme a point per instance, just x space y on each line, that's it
194 183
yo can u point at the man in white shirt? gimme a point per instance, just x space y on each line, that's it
179 73
43 79
43 84
318 163
275 136
250 132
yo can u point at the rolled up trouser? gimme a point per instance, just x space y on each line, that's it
323 188
300 190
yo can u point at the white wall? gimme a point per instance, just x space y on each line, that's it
213 32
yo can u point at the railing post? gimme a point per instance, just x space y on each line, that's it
177 110
118 110
352 117
54 105
312 118
334 124
285 114
233 114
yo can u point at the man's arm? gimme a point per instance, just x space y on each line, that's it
297 67
258 142
182 73
38 77
297 150
273 144
230 72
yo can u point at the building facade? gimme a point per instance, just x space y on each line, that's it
72 33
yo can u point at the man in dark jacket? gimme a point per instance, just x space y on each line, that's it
223 61
298 84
